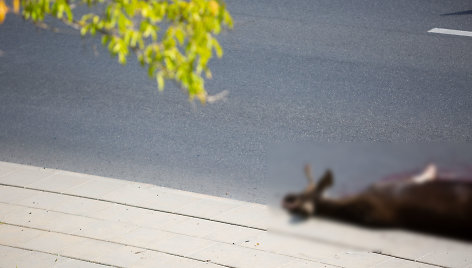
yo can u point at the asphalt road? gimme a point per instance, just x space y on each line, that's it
300 71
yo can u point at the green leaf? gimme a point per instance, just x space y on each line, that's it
105 40
122 58
68 11
180 35
181 52
217 47
160 81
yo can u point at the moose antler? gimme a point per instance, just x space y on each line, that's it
311 182
308 175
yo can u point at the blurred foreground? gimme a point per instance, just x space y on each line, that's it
434 198
429 201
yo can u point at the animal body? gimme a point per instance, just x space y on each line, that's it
427 202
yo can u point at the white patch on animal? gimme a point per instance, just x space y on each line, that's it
430 173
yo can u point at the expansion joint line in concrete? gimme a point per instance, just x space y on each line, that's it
59 255
135 206
112 242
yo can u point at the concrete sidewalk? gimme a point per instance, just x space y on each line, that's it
53 218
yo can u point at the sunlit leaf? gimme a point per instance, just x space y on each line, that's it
217 47
160 81
3 11
180 52
16 6
214 7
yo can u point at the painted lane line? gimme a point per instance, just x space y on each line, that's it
451 32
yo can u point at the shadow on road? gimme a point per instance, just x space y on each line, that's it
459 13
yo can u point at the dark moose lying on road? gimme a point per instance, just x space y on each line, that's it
427 202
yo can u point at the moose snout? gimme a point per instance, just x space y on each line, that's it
290 202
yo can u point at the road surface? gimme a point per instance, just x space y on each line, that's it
299 71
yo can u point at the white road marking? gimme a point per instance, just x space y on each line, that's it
449 31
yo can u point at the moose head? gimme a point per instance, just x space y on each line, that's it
305 203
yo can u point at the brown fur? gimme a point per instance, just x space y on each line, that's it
425 203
